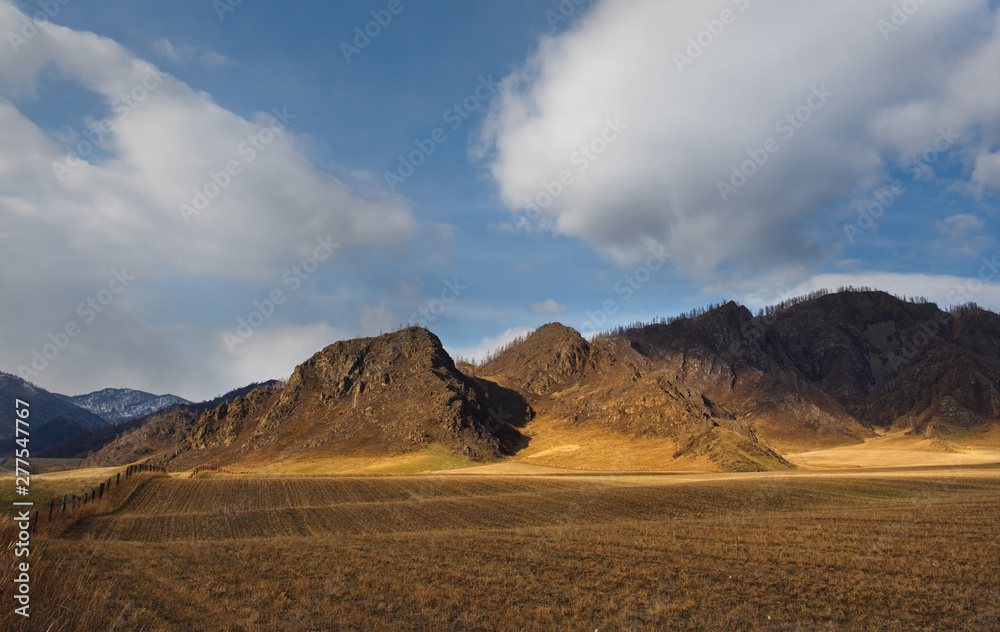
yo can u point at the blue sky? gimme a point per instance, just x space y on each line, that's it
652 114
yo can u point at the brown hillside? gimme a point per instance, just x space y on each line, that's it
723 390
553 357
373 396
614 387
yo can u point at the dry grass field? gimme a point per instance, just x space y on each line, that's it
52 485
804 550
897 449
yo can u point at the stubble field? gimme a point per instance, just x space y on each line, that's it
860 550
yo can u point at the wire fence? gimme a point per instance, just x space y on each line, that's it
71 503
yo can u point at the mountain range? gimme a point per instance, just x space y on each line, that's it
57 419
118 405
722 389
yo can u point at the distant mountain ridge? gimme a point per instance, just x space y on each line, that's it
81 444
66 418
118 405
727 390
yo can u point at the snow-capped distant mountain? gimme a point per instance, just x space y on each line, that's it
118 405
44 406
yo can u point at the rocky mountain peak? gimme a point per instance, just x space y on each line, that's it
552 357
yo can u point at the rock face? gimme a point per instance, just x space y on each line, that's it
725 386
727 360
832 370
552 358
825 372
368 397
615 386
162 437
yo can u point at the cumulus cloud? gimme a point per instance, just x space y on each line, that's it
162 182
842 97
548 306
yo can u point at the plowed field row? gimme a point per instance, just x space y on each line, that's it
233 509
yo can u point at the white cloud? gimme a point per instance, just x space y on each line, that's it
375 321
960 224
962 235
164 142
273 353
687 128
478 352
165 50
213 59
987 171
548 306
982 286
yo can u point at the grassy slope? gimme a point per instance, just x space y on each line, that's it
45 487
435 458
896 449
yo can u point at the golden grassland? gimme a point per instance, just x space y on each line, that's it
45 487
804 550
897 449
44 466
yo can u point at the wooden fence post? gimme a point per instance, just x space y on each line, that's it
101 494
118 479
34 526
52 506
63 510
